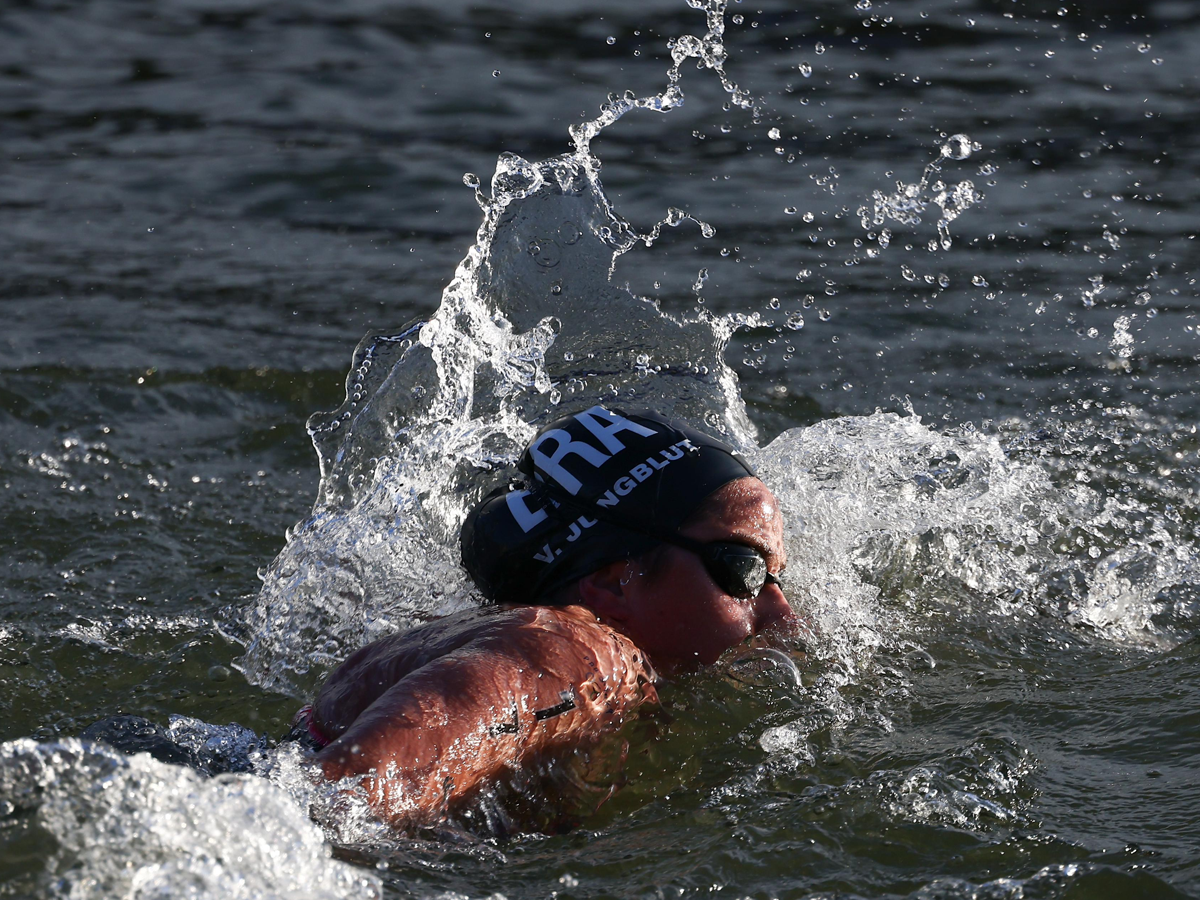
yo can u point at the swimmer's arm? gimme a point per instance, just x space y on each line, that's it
510 695
371 671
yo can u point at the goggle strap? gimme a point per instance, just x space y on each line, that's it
598 512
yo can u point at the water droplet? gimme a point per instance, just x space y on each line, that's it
862 5
569 233
943 280
789 210
470 179
495 73
545 252
774 134
1049 54
611 40
805 69
1062 10
958 146
739 19
808 217
909 274
795 322
979 281
820 48
824 315
1157 61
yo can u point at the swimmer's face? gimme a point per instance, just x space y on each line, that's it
676 612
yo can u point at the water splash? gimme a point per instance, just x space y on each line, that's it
709 51
909 202
884 513
530 326
135 827
1122 342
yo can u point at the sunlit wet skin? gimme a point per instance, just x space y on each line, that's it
675 611
512 686
433 715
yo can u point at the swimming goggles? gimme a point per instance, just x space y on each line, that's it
739 570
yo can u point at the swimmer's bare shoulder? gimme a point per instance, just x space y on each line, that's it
430 716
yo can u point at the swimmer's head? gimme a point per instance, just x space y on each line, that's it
600 486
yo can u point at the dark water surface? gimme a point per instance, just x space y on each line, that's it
205 205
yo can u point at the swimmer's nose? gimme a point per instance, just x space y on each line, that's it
771 609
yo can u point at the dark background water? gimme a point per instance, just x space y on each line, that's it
204 205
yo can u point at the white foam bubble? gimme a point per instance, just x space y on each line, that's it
885 501
135 827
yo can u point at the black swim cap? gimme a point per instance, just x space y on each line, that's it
599 486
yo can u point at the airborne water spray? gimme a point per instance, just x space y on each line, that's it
530 325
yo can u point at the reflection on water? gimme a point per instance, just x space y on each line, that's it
975 216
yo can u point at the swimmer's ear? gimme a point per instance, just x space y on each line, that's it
605 591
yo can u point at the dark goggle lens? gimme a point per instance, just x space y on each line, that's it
737 569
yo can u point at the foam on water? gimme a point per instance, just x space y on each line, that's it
885 505
975 788
138 828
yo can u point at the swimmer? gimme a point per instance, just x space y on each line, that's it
632 545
